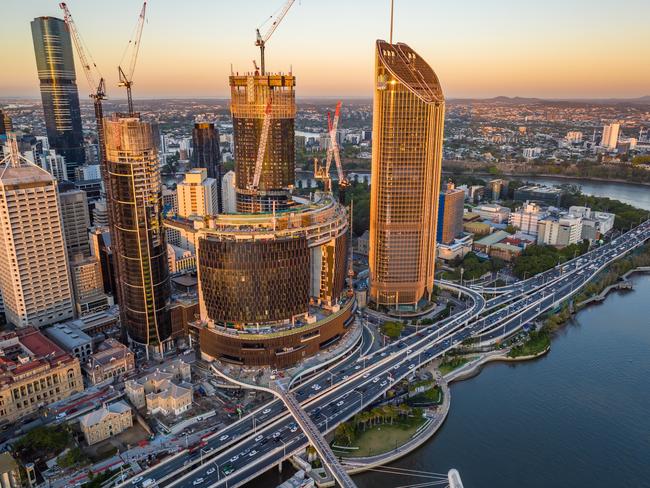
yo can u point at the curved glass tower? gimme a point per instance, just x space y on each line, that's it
408 122
55 64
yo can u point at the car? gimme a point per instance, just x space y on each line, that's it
411 366
259 438
223 437
136 480
375 380
234 458
227 469
276 434
148 482
345 377
340 403
396 367
357 367
409 351
252 453
197 481
383 354
210 471
383 383
317 387
293 428
365 376
266 411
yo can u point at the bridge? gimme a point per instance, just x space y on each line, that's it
360 379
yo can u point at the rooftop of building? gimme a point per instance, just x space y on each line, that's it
66 336
493 238
551 190
108 351
7 463
100 414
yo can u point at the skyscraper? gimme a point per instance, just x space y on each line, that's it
75 218
206 154
34 275
134 195
408 119
55 64
610 136
252 95
450 214
197 194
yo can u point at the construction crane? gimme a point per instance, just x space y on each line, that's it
262 39
261 150
323 173
126 79
99 89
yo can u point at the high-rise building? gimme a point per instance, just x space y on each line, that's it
197 194
34 274
134 196
5 127
450 214
252 95
75 218
55 64
206 154
610 136
88 285
408 120
228 192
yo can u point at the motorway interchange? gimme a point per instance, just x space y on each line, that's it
247 448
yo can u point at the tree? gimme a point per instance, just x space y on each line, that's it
392 329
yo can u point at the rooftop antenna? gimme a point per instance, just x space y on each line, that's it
392 5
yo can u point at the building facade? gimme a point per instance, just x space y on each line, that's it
56 73
198 194
75 217
111 360
137 235
408 120
34 274
88 285
450 214
34 372
252 96
206 154
107 421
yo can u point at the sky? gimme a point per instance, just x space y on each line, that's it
478 48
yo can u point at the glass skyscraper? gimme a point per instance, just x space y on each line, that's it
56 73
206 154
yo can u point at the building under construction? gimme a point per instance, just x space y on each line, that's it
256 99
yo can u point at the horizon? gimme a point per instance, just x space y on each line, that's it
477 53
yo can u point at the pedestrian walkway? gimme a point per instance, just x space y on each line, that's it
314 435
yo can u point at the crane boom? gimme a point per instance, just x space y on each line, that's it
126 79
261 39
266 126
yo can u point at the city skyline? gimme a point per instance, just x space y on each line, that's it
526 57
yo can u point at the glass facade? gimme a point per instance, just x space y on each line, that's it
253 281
56 73
250 96
138 239
408 119
206 154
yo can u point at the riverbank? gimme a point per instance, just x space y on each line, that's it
552 176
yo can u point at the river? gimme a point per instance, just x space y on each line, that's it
578 417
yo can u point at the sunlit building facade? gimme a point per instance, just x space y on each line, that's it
206 154
139 246
408 122
250 95
55 64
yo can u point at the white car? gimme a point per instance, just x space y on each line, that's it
210 471
148 482
345 377
259 438
265 411
317 387
223 437
276 435
136 480
375 380
234 458
338 404
252 453
197 481
365 376
411 366
357 367
293 428
383 383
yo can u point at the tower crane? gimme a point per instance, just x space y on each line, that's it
262 39
126 79
323 173
99 92
261 150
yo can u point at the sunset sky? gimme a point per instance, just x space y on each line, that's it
478 48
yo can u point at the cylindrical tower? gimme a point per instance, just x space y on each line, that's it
250 96
139 247
408 120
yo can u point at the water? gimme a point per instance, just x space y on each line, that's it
578 417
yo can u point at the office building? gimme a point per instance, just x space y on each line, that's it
496 188
138 243
492 212
105 422
34 372
560 232
228 192
197 194
574 137
610 136
34 274
252 95
408 120
539 193
450 214
526 218
88 285
71 340
88 172
75 218
56 73
206 154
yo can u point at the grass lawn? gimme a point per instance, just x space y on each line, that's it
382 438
454 363
535 345
429 397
